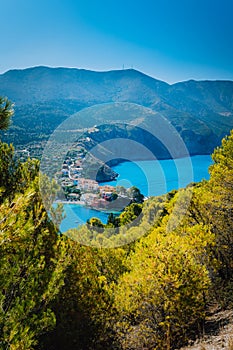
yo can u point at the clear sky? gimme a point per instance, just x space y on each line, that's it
172 40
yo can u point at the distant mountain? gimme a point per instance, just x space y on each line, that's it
201 111
41 84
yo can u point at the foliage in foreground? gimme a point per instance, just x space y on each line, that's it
158 296
151 293
32 257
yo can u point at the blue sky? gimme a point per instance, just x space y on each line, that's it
171 40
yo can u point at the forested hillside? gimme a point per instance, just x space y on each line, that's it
201 111
153 293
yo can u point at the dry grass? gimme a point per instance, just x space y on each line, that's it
203 347
230 343
219 333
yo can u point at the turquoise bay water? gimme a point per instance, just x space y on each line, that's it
153 178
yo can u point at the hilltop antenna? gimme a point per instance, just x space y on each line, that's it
123 67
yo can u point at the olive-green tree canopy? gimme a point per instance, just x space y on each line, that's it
6 112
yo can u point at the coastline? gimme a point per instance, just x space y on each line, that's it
78 203
117 161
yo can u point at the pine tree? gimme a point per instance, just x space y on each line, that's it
33 259
6 112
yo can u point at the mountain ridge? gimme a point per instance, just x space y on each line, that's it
201 111
109 71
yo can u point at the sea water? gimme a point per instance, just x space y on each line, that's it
152 177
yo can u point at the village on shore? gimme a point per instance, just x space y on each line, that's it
84 191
